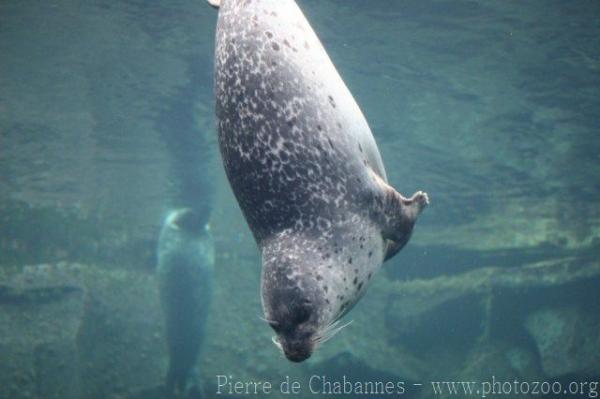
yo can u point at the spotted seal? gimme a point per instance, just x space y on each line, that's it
186 257
305 170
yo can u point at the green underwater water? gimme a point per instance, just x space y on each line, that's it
107 122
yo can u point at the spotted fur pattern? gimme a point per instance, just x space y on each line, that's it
300 158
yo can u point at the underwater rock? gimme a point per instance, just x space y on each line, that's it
75 331
121 339
503 360
449 317
566 338
41 310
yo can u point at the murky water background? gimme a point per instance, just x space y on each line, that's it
106 123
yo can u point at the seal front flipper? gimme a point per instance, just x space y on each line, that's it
397 215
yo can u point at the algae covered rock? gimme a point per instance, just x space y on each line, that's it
452 323
72 331
567 339
41 311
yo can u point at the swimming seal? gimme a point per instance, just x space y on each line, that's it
186 257
305 169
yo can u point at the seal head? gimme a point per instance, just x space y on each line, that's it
300 290
294 318
293 304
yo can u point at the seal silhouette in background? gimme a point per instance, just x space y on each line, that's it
185 248
186 258
305 169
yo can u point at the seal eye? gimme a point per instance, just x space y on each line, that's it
302 314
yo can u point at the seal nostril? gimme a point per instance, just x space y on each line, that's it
298 356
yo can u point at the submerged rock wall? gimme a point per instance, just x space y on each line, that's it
79 331
498 124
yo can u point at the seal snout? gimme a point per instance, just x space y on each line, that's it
294 324
297 351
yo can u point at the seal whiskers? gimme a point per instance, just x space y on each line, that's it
277 343
330 331
269 322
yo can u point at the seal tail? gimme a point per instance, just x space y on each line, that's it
176 384
215 3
